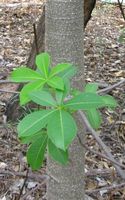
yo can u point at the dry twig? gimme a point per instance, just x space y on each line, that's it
34 176
107 189
100 154
110 88
120 4
101 172
19 5
24 183
101 144
8 91
7 81
33 189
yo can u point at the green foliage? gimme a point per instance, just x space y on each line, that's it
43 76
24 74
43 98
29 139
27 89
34 122
59 68
57 154
61 129
68 73
85 101
35 153
54 127
56 82
94 117
43 63
122 36
109 101
59 95
91 87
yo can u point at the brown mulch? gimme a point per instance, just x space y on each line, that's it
104 63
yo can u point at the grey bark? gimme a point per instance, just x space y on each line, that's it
64 42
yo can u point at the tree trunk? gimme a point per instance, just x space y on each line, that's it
88 8
64 42
13 109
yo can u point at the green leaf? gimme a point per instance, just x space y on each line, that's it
36 151
24 74
85 101
59 96
109 101
59 68
66 87
94 118
91 87
34 122
43 98
69 73
56 82
30 139
75 92
57 154
61 129
122 36
27 89
43 63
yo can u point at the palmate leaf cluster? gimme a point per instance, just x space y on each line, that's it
53 127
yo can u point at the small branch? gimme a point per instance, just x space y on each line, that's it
35 38
24 183
33 189
102 84
107 189
121 9
100 154
110 88
103 146
101 172
19 5
7 81
22 174
8 91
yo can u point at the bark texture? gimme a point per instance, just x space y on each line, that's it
13 109
64 42
88 8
